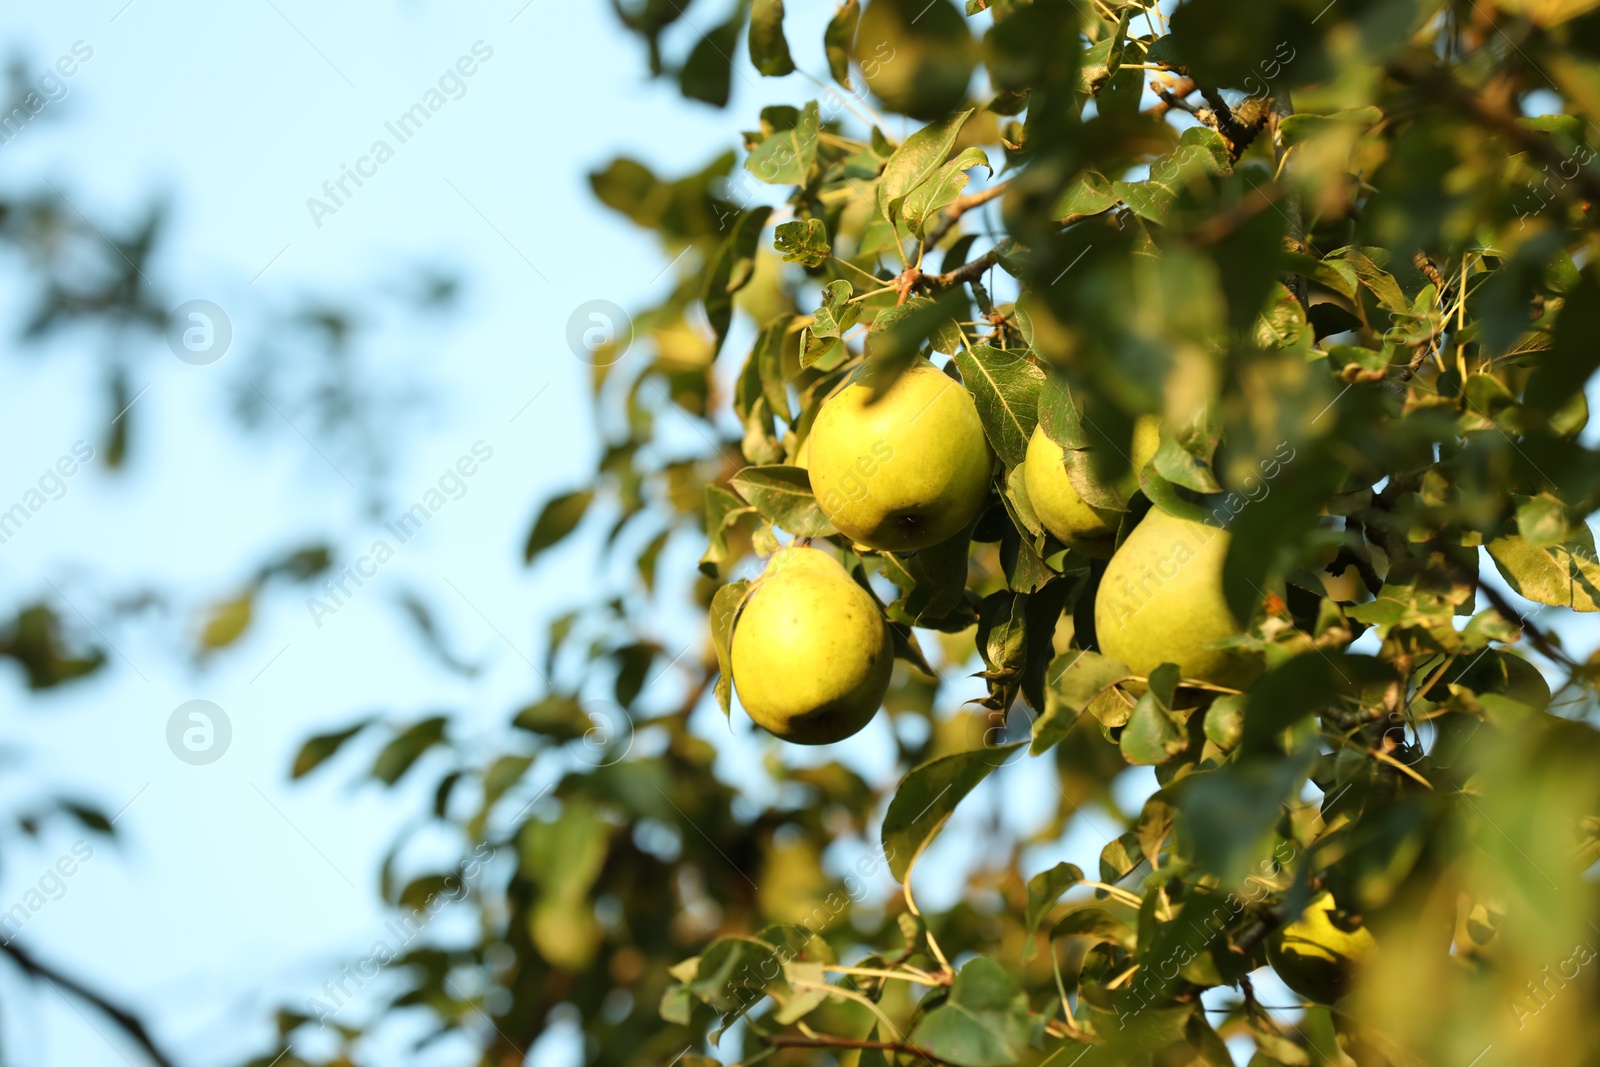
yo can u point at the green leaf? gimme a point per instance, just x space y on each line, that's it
398 755
317 750
837 314
1565 575
803 241
503 773
1153 734
1005 386
782 495
1075 678
1224 721
1044 889
930 198
917 160
1089 194
839 38
724 609
723 509
983 1024
1080 422
558 519
1201 153
769 51
785 157
926 797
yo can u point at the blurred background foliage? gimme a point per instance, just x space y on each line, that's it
1360 230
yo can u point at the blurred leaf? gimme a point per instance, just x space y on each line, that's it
317 750
839 39
432 638
399 754
768 49
558 519
1228 813
227 621
731 269
707 74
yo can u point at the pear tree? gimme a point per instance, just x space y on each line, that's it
1143 452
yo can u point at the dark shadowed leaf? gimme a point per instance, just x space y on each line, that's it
707 74
398 755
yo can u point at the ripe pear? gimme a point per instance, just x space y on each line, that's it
906 472
1072 520
1315 956
811 652
1161 601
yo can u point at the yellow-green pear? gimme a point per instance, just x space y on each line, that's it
1161 601
1072 520
906 472
811 652
1315 956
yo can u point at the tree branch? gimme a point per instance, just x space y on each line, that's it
129 1023
828 1041
1504 121
1282 108
960 206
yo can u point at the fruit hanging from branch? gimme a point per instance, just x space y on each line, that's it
904 471
811 651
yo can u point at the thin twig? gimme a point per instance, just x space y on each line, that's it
129 1023
960 206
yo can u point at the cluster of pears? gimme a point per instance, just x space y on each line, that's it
1160 598
1317 954
910 468
811 651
